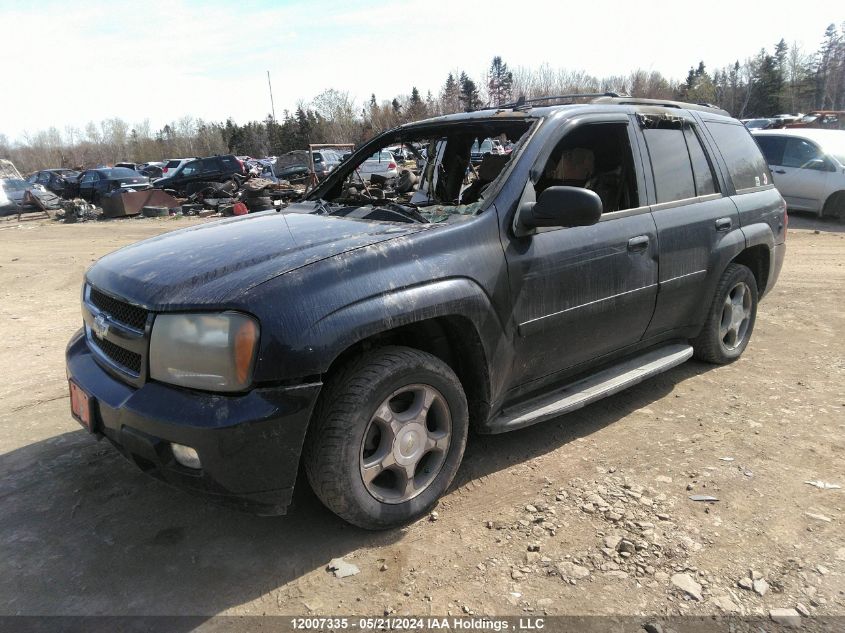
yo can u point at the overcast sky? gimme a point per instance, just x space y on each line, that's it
67 63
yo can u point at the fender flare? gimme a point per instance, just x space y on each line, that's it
758 234
355 322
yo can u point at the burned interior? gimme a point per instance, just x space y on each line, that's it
435 181
441 176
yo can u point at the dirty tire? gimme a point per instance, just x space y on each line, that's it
834 207
711 345
335 449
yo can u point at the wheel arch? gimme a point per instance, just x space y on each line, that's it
453 339
828 206
451 319
758 260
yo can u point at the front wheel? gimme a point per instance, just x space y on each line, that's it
729 324
387 438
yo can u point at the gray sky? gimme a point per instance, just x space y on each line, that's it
69 63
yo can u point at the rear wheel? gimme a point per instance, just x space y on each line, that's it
729 324
834 207
387 438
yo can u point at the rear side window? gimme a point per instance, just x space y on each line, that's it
746 165
230 162
705 184
209 165
670 162
772 147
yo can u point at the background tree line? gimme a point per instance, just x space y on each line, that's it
786 79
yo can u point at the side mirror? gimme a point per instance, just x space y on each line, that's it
562 207
816 164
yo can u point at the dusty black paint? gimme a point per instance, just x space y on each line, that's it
527 311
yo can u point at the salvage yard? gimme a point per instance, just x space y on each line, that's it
587 514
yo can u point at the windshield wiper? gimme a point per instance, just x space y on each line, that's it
408 212
322 206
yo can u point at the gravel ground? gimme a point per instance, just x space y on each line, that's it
588 514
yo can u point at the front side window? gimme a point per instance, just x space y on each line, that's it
190 169
799 153
597 157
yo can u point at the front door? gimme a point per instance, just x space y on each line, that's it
86 185
583 292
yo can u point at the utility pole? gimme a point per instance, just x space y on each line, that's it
272 107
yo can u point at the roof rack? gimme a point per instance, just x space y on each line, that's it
664 103
523 102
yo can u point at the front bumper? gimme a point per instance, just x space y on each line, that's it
249 444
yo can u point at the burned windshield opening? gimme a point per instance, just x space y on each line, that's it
433 174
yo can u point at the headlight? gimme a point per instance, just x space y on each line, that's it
204 351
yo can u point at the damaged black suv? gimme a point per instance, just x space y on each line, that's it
365 329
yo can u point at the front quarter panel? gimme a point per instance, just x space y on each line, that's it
310 315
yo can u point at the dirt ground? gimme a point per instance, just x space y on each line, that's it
588 514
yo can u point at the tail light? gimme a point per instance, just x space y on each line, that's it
391 165
164 171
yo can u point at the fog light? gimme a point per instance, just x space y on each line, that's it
186 456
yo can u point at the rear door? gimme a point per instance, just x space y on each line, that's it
211 169
230 165
691 213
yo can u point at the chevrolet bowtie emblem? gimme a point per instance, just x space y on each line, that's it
101 326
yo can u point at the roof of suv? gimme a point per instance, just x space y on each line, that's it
609 103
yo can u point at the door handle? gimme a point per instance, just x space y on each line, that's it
637 244
723 224
780 171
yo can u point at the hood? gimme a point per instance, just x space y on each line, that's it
213 264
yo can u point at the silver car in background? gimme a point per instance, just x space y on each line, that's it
808 168
381 163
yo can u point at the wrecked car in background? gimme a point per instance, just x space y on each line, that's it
20 196
823 119
62 182
362 331
96 183
210 169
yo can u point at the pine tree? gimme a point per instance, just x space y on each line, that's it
469 93
450 96
416 107
500 83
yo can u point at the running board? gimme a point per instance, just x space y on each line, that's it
580 394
